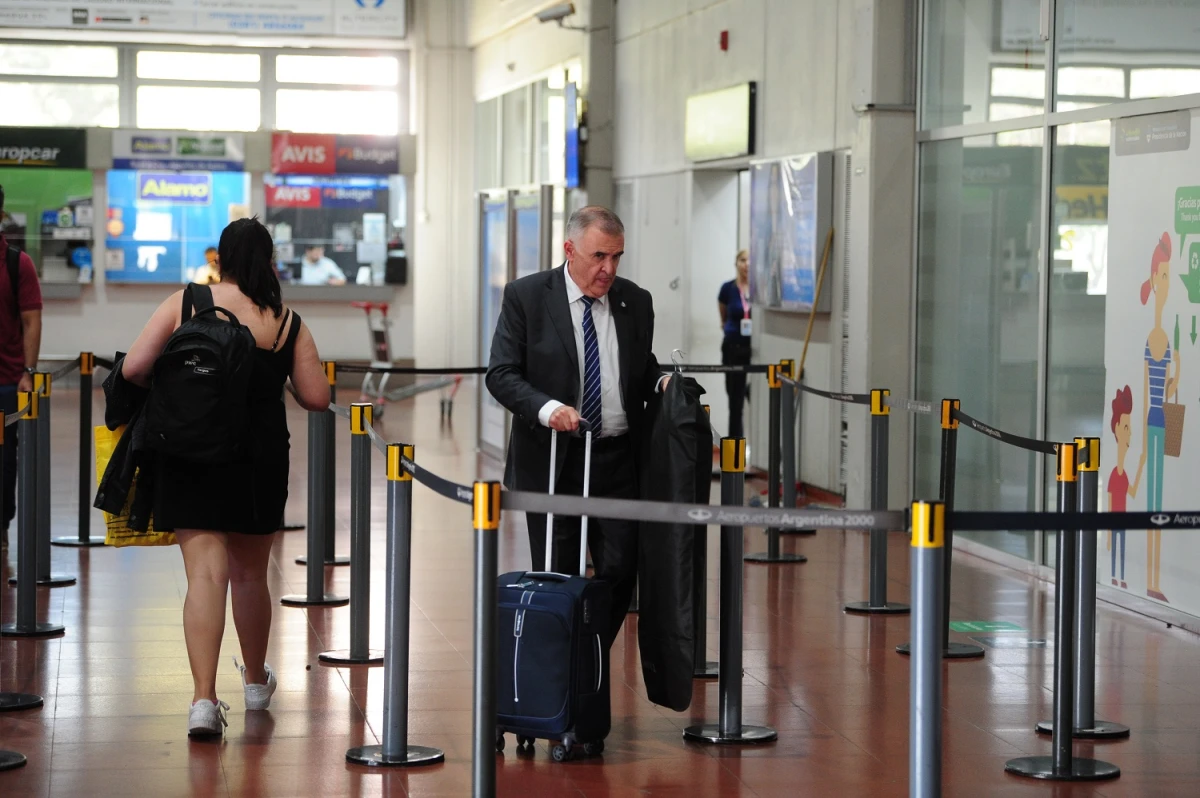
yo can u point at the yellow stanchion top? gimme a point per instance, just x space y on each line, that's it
879 405
361 414
87 363
948 408
28 399
395 469
486 505
733 455
331 371
773 376
1088 453
788 366
1068 467
41 383
928 525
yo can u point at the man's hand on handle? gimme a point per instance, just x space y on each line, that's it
565 419
25 384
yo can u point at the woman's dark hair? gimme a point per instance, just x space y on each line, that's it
246 254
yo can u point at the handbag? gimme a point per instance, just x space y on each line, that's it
117 530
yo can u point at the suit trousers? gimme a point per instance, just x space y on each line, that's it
613 543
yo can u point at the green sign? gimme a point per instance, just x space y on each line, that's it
984 626
208 147
1187 209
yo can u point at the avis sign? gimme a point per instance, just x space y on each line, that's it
318 154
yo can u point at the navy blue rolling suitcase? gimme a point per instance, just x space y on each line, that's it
552 676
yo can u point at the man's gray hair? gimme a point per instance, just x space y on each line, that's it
593 215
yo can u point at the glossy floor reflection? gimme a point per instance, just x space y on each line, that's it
116 685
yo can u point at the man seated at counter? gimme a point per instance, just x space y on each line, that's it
210 272
316 269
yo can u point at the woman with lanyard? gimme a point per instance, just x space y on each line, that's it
734 304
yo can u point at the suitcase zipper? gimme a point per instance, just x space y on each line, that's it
599 664
518 628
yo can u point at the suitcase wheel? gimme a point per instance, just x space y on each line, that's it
594 749
499 742
560 753
525 741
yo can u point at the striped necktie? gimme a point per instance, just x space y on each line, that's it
591 409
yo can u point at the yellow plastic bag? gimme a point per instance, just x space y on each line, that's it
118 532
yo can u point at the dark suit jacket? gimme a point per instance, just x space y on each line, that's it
534 360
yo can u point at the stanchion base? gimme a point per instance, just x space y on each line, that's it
343 657
75 542
711 733
37 630
890 608
302 600
954 651
292 527
797 531
10 760
303 560
1042 767
13 702
708 670
372 756
1099 730
54 580
764 557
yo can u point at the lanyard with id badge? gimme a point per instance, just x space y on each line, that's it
745 326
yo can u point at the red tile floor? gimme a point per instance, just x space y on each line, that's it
116 685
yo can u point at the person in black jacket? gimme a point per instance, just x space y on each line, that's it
577 342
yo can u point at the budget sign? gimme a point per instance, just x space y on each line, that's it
194 188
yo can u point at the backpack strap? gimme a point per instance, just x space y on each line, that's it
14 276
195 297
282 326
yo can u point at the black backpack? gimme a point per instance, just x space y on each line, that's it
198 409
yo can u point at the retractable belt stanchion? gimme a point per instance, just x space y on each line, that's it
925 676
315 595
949 463
486 514
27 624
1063 765
87 367
43 385
704 668
395 750
877 602
1086 726
11 702
360 546
792 430
729 730
329 433
775 388
40 440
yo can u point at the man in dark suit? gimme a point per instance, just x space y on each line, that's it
577 342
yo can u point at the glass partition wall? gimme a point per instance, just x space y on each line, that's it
1012 232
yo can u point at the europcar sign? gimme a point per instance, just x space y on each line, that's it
43 147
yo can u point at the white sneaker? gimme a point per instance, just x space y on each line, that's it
258 696
206 718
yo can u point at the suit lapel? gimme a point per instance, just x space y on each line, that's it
625 344
560 314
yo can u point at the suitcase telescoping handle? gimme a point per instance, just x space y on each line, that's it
586 429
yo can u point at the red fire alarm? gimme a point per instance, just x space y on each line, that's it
724 41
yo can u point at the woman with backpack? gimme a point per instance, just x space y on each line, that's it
218 377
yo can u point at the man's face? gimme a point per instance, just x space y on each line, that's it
211 257
593 260
315 254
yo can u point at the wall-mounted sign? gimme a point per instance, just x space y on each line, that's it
720 124
323 154
176 188
360 18
324 197
178 151
43 147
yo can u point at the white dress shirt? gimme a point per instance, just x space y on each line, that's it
612 408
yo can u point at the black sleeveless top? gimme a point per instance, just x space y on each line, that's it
247 496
